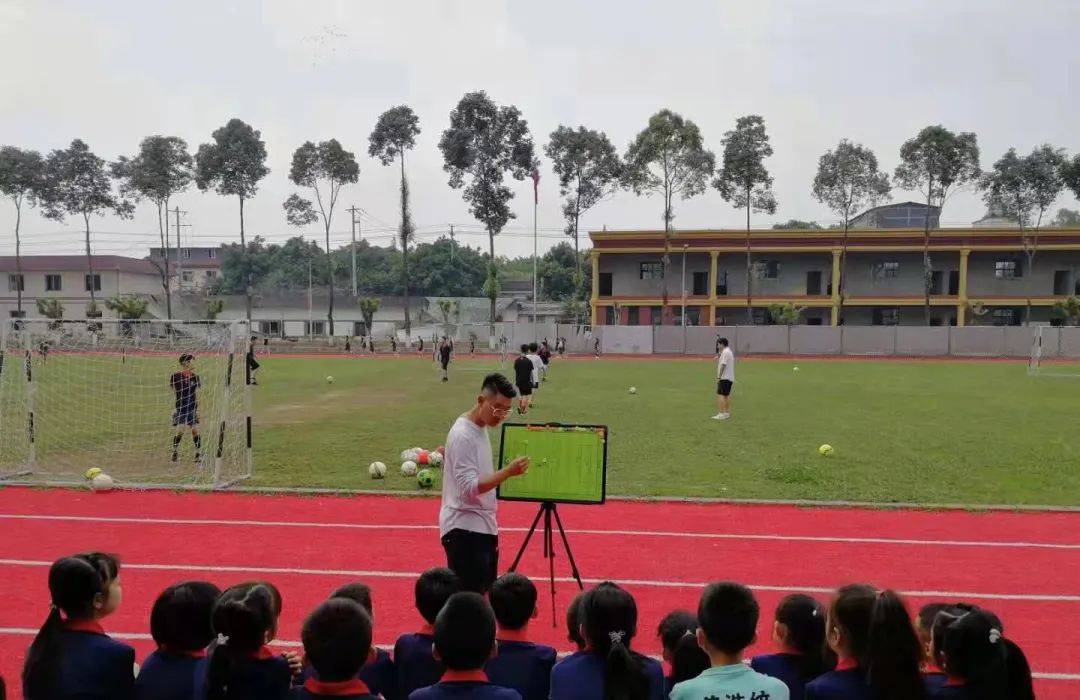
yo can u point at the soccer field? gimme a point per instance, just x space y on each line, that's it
928 432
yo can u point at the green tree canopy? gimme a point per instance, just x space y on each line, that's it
22 179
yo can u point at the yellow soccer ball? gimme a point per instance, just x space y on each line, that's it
91 473
825 450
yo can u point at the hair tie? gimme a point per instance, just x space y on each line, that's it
616 637
995 635
689 633
222 639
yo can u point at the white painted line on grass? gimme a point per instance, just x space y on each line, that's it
362 573
288 643
576 531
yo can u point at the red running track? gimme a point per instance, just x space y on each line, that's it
1024 566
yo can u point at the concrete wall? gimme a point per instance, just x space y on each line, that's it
862 281
791 278
626 279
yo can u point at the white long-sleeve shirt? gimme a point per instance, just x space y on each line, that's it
468 460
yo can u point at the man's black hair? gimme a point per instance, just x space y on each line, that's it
524 348
728 614
180 618
533 347
186 357
498 384
465 632
433 589
337 639
723 341
357 592
513 599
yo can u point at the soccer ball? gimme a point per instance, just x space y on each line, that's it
825 450
101 482
795 368
377 470
423 457
425 478
329 380
633 390
407 455
408 468
91 473
435 459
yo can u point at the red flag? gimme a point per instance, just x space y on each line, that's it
536 186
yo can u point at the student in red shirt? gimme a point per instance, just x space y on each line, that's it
337 642
180 623
241 666
519 663
71 656
464 642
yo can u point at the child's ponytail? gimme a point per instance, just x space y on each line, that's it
893 654
677 632
804 619
74 584
244 616
609 615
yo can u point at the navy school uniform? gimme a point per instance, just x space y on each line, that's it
847 682
933 678
262 676
523 666
581 677
313 688
464 685
379 675
169 675
94 665
416 665
947 690
784 667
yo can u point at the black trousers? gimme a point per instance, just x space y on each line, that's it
474 557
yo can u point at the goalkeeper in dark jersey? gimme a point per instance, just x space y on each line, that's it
186 384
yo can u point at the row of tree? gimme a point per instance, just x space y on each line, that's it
485 143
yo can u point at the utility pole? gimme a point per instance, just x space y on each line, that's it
453 243
355 224
179 259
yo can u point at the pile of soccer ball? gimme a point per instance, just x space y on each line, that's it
415 462
99 480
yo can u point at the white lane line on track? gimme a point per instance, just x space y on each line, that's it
361 573
288 643
586 531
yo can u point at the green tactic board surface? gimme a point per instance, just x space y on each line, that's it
567 463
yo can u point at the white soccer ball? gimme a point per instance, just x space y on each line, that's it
410 454
795 368
408 468
434 459
633 390
377 470
329 380
102 482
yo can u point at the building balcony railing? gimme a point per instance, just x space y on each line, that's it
811 300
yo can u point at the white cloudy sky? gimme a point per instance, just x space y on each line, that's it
876 71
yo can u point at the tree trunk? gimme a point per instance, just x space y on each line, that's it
404 247
90 260
165 250
667 257
493 275
926 254
579 274
18 258
247 268
843 273
749 276
330 271
1027 285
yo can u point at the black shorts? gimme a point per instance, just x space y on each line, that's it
474 557
445 363
723 387
525 389
185 417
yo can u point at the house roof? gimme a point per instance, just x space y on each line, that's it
897 205
78 263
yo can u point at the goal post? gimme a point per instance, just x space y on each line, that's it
76 395
1046 346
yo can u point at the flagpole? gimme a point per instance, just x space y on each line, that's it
536 203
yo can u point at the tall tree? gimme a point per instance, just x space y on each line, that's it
1066 218
936 162
1070 175
22 179
668 157
161 169
589 169
368 307
744 182
484 143
77 182
395 132
1025 187
797 225
848 180
324 169
233 163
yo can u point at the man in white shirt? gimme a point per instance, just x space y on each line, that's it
725 380
538 364
467 525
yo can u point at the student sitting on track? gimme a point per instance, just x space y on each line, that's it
337 643
727 618
878 652
464 642
799 631
608 668
519 663
979 662
180 623
241 666
416 667
678 639
933 674
71 656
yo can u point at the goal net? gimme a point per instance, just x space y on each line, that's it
1046 354
76 395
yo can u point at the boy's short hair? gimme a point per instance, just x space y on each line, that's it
533 347
496 383
359 593
465 632
186 357
433 589
337 639
513 600
181 617
524 348
728 615
723 341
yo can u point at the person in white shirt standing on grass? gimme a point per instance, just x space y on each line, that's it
725 380
467 525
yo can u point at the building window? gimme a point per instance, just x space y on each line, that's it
885 317
314 327
633 315
16 283
887 269
17 314
1061 282
651 271
211 274
94 280
814 321
1006 270
187 253
767 269
187 275
605 284
761 317
270 327
211 253
1006 317
721 283
52 283
701 284
657 315
611 316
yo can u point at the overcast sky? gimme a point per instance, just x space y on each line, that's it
112 72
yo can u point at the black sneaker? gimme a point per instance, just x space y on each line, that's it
175 457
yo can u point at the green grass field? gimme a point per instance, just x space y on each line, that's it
902 431
928 432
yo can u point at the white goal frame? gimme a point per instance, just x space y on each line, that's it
1036 366
114 374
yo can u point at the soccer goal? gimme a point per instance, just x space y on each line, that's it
76 395
1046 344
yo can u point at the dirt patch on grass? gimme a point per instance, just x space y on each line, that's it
329 405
